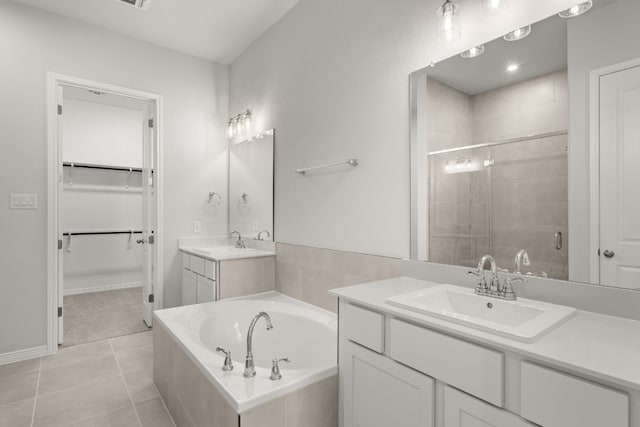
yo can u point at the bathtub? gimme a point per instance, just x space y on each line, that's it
189 335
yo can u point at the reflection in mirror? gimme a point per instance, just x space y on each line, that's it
490 149
251 186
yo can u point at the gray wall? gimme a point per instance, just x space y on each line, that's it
607 36
195 111
332 78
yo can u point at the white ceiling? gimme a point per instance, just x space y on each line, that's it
217 30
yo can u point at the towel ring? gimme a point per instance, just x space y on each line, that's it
215 199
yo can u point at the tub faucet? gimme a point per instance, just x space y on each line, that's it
522 258
249 365
239 242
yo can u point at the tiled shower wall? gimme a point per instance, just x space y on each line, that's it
521 202
307 273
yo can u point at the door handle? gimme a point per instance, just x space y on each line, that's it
609 254
140 241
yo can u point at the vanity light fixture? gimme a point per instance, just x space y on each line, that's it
448 21
495 5
473 52
576 10
239 125
518 34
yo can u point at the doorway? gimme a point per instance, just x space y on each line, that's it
615 202
104 207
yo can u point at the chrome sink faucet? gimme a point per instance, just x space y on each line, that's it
249 365
263 232
239 243
522 258
494 284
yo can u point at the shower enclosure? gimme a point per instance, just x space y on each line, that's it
499 198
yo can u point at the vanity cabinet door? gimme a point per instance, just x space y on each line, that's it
379 392
462 410
206 290
188 287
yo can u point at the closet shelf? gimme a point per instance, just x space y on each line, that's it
101 167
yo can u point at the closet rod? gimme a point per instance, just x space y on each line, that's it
90 233
102 167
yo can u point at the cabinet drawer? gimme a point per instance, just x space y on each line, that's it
210 269
364 327
185 261
554 399
469 367
196 264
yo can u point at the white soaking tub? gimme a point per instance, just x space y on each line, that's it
302 332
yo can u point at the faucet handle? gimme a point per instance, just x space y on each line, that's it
275 369
508 292
228 362
481 288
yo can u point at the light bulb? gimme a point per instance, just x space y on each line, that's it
247 123
494 5
518 34
576 10
473 52
448 21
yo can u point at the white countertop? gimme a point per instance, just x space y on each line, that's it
597 345
225 253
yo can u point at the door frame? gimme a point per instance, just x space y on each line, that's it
594 161
55 80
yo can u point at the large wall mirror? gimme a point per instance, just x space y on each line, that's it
531 145
251 186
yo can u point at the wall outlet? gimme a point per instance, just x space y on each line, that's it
24 201
197 226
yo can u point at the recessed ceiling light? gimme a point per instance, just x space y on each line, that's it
576 10
518 34
473 52
512 68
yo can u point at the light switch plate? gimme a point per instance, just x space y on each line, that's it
24 201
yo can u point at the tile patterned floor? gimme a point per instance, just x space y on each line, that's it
99 384
100 315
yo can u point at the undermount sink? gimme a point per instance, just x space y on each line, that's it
522 320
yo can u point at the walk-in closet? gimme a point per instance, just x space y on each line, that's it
106 156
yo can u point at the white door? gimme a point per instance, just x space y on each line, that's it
379 392
620 178
60 186
149 214
462 410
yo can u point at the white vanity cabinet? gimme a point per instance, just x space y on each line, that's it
198 280
395 372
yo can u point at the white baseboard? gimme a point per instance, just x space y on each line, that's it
102 288
20 355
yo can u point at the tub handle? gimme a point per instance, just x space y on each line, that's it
275 369
228 363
